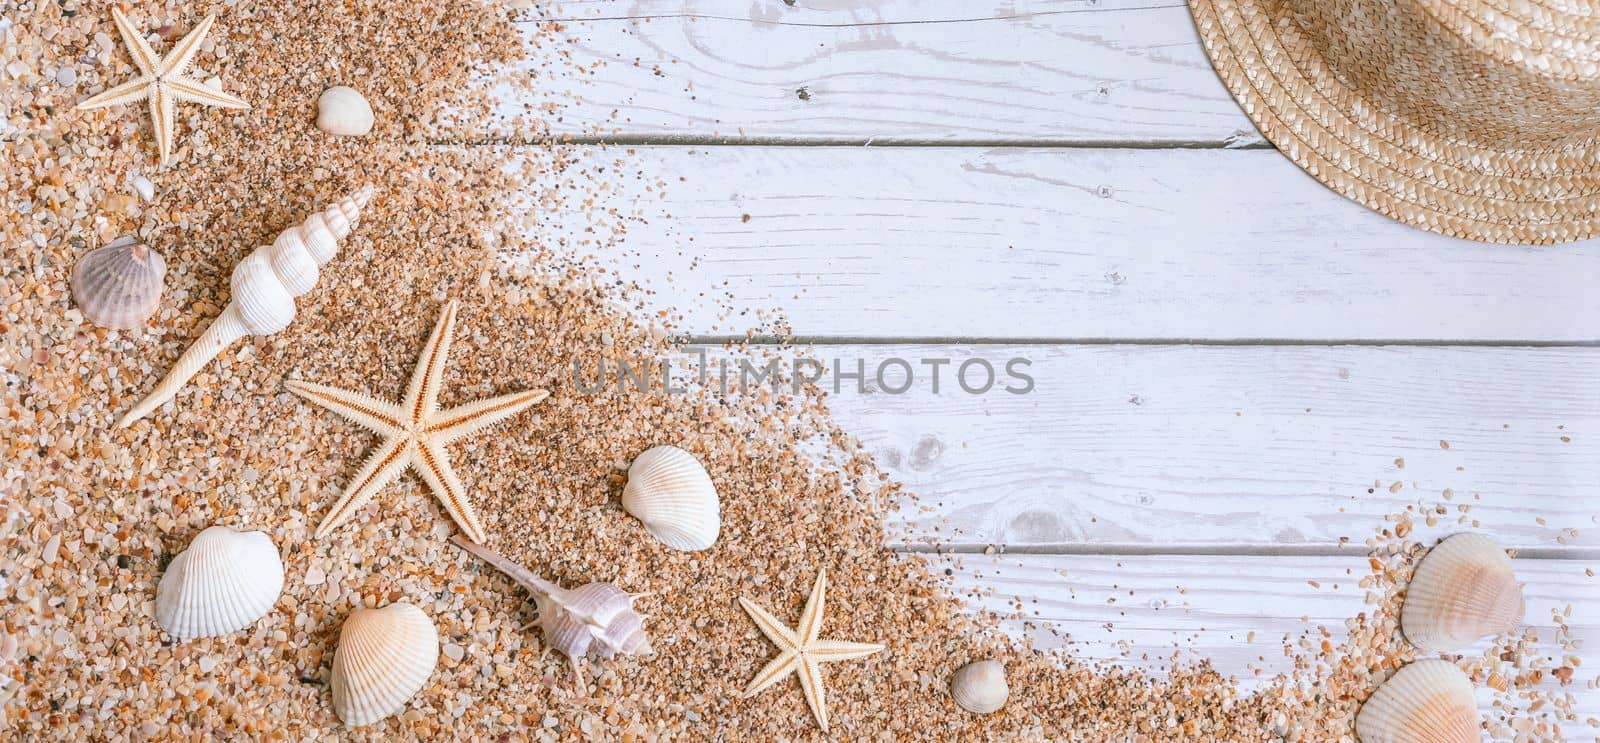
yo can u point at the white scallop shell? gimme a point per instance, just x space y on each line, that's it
119 286
224 582
1430 701
980 686
385 656
1462 591
343 110
671 493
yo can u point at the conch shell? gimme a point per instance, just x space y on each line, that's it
573 620
1462 591
264 284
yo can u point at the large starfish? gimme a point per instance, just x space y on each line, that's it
162 81
415 432
802 651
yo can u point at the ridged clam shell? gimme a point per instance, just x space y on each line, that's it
1429 701
224 582
1462 591
343 110
385 656
613 626
980 686
671 493
119 286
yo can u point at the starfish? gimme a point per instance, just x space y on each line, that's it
162 81
802 651
415 432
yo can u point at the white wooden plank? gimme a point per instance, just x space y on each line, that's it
1203 447
1142 611
884 71
1075 244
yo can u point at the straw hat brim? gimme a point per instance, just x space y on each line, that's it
1434 180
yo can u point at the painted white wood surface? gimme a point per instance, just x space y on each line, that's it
890 71
1137 611
1063 244
1238 467
1179 448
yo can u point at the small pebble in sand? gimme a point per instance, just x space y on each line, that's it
142 186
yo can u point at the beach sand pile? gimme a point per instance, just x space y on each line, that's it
95 513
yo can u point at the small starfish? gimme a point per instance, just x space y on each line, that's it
802 651
415 432
162 81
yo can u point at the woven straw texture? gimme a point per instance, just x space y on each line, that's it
1472 118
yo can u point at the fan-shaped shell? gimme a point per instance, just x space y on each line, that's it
119 286
671 493
980 686
614 626
385 656
224 582
1429 701
343 110
1462 591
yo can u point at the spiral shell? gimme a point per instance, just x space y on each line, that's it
1430 701
384 658
980 686
671 493
1462 591
119 286
224 582
264 285
594 617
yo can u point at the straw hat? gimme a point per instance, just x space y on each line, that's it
1473 118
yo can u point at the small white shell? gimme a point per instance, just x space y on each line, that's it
1462 591
1429 701
224 582
344 111
980 686
385 656
671 493
119 286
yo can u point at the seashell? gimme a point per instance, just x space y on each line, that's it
119 286
384 658
1462 591
671 493
342 110
980 686
224 582
1430 701
264 284
596 617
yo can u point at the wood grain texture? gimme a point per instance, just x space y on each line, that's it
1085 71
1183 448
956 243
1146 611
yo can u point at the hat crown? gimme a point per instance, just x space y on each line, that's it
1501 73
